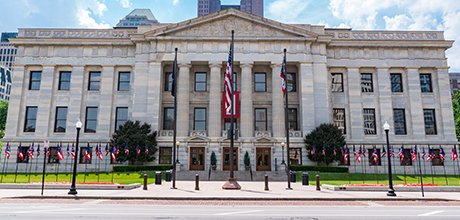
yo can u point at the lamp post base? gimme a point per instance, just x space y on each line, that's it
72 192
391 192
231 184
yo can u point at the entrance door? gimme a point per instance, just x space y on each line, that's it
263 159
197 158
226 158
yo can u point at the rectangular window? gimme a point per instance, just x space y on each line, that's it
165 155
293 119
396 83
64 81
91 119
260 119
436 161
407 160
295 156
94 81
430 121
291 82
35 78
366 82
53 158
168 81
260 82
83 159
31 118
200 82
123 81
337 82
425 83
399 121
339 119
168 119
122 117
371 158
200 119
61 119
369 122
25 156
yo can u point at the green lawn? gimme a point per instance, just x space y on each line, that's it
123 178
357 178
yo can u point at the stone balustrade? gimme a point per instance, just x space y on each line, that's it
74 33
385 35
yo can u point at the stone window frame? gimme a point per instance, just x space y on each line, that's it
397 120
426 86
199 120
335 85
35 80
93 82
293 119
64 84
30 118
366 86
124 83
59 118
201 82
394 84
264 83
369 121
165 121
260 120
162 156
338 121
118 119
430 113
90 120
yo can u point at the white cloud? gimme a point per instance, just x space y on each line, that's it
398 22
86 21
286 10
175 2
125 3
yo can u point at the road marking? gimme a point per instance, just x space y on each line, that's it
242 212
431 213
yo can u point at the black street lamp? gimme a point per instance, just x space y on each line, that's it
282 150
391 191
73 190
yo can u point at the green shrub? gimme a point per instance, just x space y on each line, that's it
213 158
140 168
247 160
318 168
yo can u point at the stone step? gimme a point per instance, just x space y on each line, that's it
223 175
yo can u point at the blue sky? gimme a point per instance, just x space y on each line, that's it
358 14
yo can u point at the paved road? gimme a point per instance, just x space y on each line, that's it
70 209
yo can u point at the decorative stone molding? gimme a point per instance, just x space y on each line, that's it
198 133
262 133
224 133
75 33
295 133
386 35
165 133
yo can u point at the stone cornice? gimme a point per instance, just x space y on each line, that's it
385 35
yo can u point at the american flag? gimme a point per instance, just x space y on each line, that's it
146 149
442 155
374 154
347 154
334 153
106 149
38 150
114 151
117 150
72 152
68 150
414 153
313 150
341 150
283 76
8 150
392 152
138 149
126 149
358 157
59 151
423 153
324 150
383 151
401 153
430 154
228 83
88 153
30 152
20 155
454 153
354 150
364 151
99 152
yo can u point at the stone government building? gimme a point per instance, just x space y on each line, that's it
355 79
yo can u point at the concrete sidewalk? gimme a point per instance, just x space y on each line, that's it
212 190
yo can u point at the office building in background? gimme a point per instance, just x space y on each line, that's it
7 51
137 17
255 7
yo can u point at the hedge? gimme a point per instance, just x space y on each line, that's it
319 168
139 168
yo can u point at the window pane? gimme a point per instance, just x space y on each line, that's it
291 82
65 76
94 81
124 77
425 82
293 119
396 84
200 114
369 122
168 83
91 126
259 77
200 82
399 121
61 113
339 119
91 113
430 122
36 75
95 76
168 123
122 113
200 125
31 116
366 82
60 126
337 83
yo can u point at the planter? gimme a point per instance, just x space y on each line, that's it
213 167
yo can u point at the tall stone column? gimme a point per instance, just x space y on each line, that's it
16 108
246 111
415 103
215 103
386 106
307 99
278 105
355 103
446 121
44 108
321 91
140 88
154 94
183 100
105 123
76 109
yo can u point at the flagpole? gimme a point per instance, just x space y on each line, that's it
16 172
174 93
232 107
286 118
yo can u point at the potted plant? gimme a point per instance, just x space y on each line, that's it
247 161
213 160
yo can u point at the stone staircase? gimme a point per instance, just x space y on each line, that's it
223 175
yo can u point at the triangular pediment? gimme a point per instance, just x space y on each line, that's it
197 138
263 139
220 24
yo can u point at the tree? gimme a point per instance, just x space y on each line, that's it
3 114
325 135
134 133
456 108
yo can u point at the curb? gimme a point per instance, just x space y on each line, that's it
65 186
396 188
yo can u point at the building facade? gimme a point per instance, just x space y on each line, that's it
5 83
255 7
7 51
137 17
352 78
454 82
